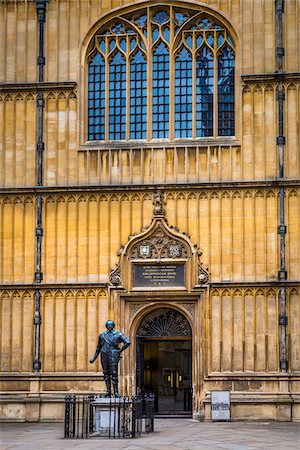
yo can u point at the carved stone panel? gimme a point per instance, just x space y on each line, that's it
135 307
159 245
160 256
189 307
164 322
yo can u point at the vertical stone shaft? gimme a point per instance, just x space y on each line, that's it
282 273
41 18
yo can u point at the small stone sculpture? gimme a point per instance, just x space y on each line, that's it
158 205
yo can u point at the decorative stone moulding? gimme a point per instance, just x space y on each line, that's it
159 257
164 322
115 277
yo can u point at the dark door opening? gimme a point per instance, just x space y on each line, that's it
164 361
167 373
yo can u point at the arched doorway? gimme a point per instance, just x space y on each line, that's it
164 361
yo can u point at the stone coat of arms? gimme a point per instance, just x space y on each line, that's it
145 250
174 250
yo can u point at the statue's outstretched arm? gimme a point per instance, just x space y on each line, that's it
98 349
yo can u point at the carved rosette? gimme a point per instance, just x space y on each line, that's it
115 277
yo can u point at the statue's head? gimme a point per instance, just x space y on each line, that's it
110 325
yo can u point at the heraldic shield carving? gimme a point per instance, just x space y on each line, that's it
159 257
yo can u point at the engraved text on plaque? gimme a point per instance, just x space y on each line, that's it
158 275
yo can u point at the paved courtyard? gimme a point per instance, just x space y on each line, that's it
170 434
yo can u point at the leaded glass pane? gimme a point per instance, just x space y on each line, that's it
226 93
117 98
180 18
160 92
204 93
141 20
96 95
161 17
138 97
183 94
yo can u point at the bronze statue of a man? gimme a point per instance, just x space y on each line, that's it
108 346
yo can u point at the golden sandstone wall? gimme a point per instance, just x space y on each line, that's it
234 229
231 213
68 22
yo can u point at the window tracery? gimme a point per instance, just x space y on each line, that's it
161 72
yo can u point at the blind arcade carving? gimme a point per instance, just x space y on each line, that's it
159 257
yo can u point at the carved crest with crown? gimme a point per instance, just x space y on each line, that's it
159 257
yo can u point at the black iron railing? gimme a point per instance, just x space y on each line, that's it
148 412
92 416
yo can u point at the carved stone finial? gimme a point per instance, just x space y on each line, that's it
203 275
115 277
158 203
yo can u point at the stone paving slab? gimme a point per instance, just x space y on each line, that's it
170 434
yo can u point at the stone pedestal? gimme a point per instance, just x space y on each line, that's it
109 416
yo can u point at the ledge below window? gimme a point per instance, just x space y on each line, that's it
160 162
160 143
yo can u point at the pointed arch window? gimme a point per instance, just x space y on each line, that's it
162 72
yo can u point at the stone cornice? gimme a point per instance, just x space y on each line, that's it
213 285
271 77
15 2
9 2
46 286
39 86
215 185
254 284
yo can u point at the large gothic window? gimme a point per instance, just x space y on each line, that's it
161 72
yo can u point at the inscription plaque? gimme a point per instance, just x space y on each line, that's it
158 275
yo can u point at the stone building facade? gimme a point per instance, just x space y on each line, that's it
150 175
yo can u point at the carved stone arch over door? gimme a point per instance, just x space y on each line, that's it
164 322
159 257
